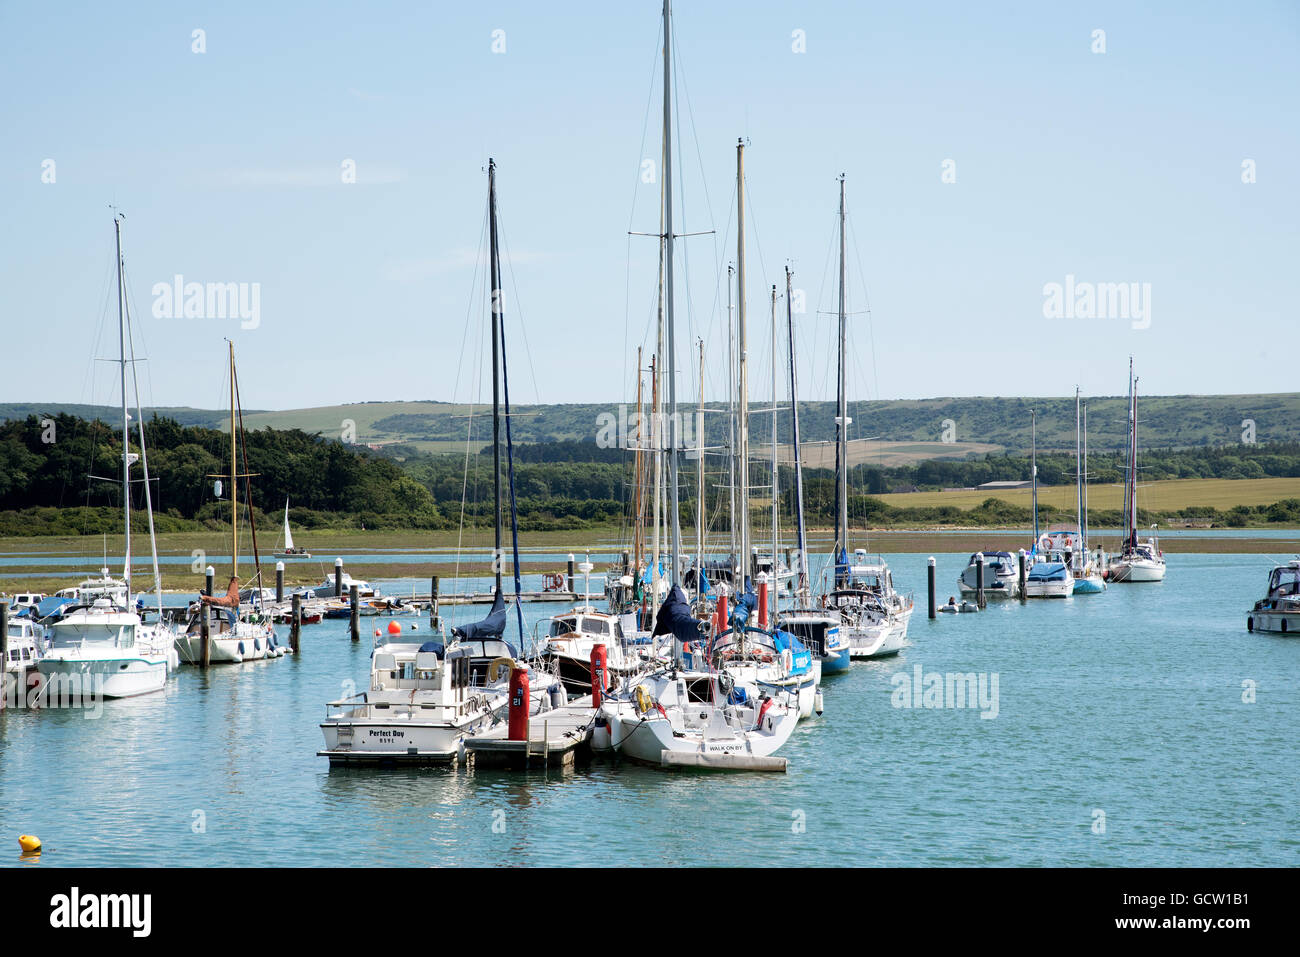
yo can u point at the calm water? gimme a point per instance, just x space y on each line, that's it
1127 703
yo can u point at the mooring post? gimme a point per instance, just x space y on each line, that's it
4 653
1023 576
929 581
433 603
205 633
338 577
354 616
979 580
572 586
209 575
295 623
279 582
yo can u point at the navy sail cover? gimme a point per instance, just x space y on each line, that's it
675 617
493 626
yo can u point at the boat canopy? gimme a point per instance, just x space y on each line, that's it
50 606
493 626
743 608
800 656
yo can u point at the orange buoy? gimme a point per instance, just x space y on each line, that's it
377 632
394 628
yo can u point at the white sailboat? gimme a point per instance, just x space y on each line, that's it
873 616
1087 568
235 634
1049 574
290 550
101 647
1137 561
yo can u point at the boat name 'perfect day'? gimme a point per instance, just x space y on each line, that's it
208 300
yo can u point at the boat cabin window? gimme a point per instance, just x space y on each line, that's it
595 626
1285 581
562 626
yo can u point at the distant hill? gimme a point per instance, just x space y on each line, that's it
182 414
901 430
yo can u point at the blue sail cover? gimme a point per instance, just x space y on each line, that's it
675 617
800 656
743 608
647 576
841 565
493 626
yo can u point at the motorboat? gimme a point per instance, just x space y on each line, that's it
1279 610
107 651
1001 575
1049 576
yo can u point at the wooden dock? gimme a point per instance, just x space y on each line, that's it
555 739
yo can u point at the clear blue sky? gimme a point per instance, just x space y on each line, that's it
1115 167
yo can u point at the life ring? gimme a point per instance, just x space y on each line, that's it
643 701
498 668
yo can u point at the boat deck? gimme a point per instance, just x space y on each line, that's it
555 739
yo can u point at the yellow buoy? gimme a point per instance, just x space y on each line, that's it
29 843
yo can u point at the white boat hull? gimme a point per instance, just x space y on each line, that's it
1137 571
1060 589
646 739
881 639
109 677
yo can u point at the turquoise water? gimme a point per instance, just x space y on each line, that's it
1127 703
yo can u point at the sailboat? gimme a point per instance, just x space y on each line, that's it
100 645
1137 561
235 635
673 716
1088 579
818 629
1049 575
290 550
424 698
873 615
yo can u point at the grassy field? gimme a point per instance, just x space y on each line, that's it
1172 495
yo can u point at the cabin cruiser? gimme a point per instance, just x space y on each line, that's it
24 600
106 586
820 633
572 636
326 588
1001 575
1049 576
26 644
424 699
1279 610
108 650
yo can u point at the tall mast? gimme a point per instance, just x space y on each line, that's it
699 482
802 581
668 295
1084 530
497 555
1133 499
656 402
741 347
776 484
126 431
1130 485
842 433
1033 467
1078 467
731 421
636 473
234 486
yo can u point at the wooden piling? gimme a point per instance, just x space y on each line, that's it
279 582
1023 576
929 580
433 603
208 576
295 623
205 632
979 581
338 577
572 587
354 614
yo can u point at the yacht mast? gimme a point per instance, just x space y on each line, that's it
1078 470
776 484
802 580
842 421
126 430
1033 468
731 421
741 346
699 483
498 557
234 480
674 573
1084 530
